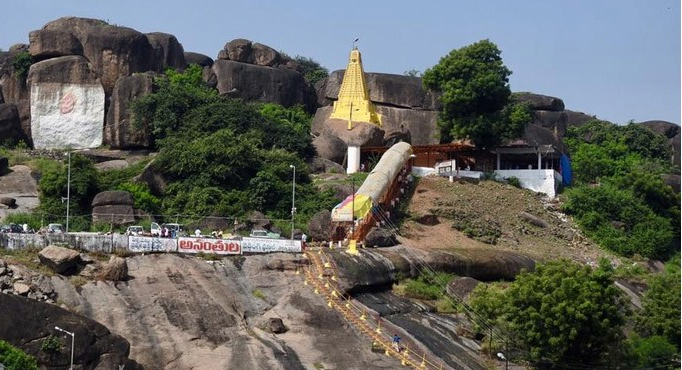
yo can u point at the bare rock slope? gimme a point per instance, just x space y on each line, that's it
186 313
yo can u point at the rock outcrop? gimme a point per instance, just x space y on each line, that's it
119 130
115 270
46 44
10 124
113 51
94 348
59 259
168 52
320 226
67 104
252 82
670 131
408 112
198 59
113 207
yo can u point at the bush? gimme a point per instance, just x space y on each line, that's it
22 64
427 286
514 181
51 345
15 359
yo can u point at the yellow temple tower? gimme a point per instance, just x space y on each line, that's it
353 103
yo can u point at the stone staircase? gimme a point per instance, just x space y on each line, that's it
321 275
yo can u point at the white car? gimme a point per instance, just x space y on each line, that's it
55 228
135 230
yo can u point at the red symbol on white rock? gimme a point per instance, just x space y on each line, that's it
67 104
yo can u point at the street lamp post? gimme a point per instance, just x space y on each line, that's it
68 191
73 337
293 200
501 356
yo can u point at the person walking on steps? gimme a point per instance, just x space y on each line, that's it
396 342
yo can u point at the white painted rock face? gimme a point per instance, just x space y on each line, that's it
67 115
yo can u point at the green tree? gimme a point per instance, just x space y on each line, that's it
177 93
654 352
83 188
22 64
311 70
288 128
632 210
619 220
565 314
15 359
660 313
475 87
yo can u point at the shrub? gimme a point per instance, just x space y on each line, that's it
16 359
22 63
51 345
514 181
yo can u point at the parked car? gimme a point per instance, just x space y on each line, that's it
264 234
135 230
174 229
11 228
55 228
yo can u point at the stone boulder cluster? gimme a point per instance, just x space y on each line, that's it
72 85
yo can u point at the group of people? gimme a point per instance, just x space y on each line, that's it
167 233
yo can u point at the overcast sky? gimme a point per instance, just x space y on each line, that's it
616 59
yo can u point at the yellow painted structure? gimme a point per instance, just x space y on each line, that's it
353 103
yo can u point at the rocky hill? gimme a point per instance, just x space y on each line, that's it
186 312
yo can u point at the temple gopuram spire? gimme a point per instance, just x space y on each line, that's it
353 103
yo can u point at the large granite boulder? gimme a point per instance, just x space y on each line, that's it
95 347
67 104
417 125
264 55
115 270
168 52
153 178
380 238
534 135
12 82
540 102
10 125
670 131
420 125
330 147
577 118
113 51
113 207
320 226
238 50
24 108
266 84
45 44
557 122
665 128
362 134
59 259
389 89
119 130
199 59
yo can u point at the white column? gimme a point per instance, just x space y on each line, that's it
353 159
539 161
498 161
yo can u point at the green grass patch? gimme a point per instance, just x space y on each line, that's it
427 286
26 257
258 294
